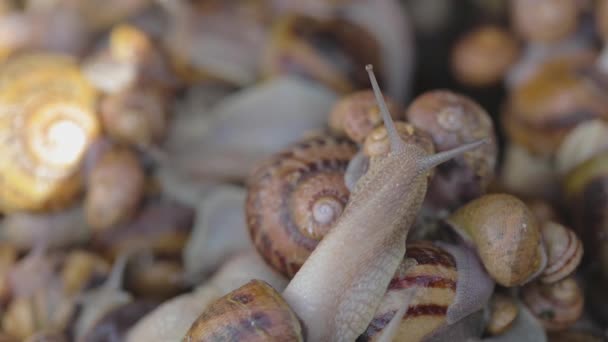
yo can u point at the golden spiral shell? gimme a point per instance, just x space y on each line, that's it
558 305
453 120
357 114
434 280
253 312
295 197
47 121
564 252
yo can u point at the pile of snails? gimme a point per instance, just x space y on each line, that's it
212 170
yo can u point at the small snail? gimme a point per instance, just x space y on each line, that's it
332 51
558 305
506 236
336 292
114 190
253 312
48 123
295 197
357 114
564 252
545 21
452 120
483 56
503 313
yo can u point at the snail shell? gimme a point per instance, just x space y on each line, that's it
81 269
377 143
115 189
433 275
47 123
564 252
452 120
601 11
545 21
295 197
253 312
332 51
506 236
357 114
558 305
503 312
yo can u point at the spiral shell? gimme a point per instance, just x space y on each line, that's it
558 305
295 197
564 252
545 21
332 51
452 120
357 114
506 236
433 277
253 312
503 312
47 122
115 189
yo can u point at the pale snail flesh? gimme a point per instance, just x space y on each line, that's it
48 121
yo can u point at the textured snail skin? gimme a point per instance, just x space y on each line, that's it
336 292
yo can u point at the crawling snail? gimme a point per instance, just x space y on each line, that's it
336 293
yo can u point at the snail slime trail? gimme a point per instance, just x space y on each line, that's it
337 292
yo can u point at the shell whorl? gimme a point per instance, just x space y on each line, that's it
295 197
557 305
47 122
564 252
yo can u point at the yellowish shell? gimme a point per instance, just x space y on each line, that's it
47 121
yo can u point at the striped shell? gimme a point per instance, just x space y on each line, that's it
253 312
295 197
434 279
558 305
357 114
47 122
564 252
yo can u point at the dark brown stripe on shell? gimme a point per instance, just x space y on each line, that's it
427 281
379 322
430 255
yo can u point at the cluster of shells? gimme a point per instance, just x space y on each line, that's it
260 170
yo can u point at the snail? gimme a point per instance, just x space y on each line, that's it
154 277
441 286
582 143
335 293
558 305
564 252
357 114
503 313
48 123
545 21
525 328
584 194
219 231
506 236
295 197
115 188
253 312
483 56
172 319
331 51
453 119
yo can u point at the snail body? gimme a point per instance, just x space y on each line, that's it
48 122
506 236
336 292
294 198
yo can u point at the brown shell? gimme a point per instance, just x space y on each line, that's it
377 142
505 234
542 110
453 120
295 197
154 278
545 21
558 305
483 56
136 115
253 312
162 227
332 51
433 277
48 123
586 196
564 252
357 114
503 312
82 269
114 190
